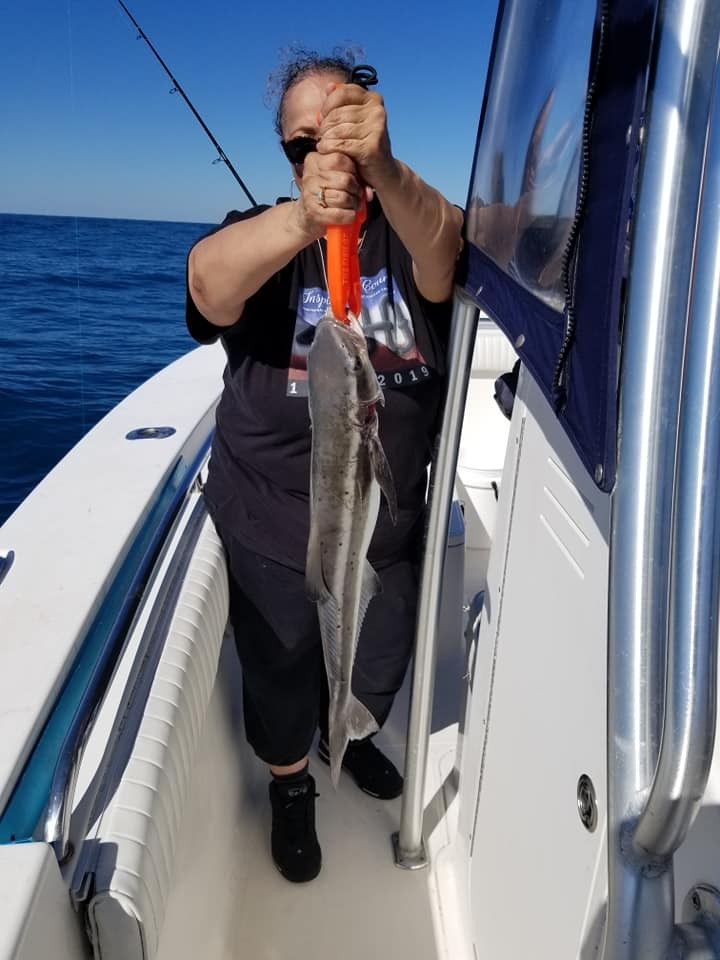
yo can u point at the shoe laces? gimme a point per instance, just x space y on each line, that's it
297 808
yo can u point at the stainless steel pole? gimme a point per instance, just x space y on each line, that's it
691 691
408 842
640 917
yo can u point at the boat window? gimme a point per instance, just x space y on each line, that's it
526 173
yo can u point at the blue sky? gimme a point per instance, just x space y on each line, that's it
89 128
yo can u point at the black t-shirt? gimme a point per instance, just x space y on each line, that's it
259 474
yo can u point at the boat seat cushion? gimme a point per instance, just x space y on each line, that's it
493 353
137 837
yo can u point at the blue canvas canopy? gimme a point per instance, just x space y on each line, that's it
550 200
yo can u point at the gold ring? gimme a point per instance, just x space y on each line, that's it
320 196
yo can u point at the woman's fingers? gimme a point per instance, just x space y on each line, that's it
354 124
330 188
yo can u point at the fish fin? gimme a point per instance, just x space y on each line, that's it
348 719
353 721
371 587
330 628
359 722
337 734
330 617
383 475
316 586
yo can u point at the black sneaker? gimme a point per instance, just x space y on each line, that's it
294 843
369 767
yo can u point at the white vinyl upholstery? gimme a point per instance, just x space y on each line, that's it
137 836
493 353
482 450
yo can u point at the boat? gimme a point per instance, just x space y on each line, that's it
562 777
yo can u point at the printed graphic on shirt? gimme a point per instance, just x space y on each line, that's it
387 326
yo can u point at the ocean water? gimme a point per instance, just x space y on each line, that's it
89 309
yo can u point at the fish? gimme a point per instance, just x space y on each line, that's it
348 471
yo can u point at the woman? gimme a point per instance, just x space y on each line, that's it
259 283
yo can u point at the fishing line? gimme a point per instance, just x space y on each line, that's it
178 89
81 332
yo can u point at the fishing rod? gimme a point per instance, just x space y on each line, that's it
176 87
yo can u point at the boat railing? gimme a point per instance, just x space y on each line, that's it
664 542
408 841
691 689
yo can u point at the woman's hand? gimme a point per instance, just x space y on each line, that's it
353 122
331 192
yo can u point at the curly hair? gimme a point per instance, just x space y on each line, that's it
298 62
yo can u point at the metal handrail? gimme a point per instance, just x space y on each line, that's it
691 693
56 823
640 915
408 842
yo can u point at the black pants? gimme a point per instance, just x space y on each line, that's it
285 690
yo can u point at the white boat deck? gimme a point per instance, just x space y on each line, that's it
229 900
360 906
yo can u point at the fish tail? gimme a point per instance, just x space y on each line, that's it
348 719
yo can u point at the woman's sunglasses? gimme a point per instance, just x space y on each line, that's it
298 148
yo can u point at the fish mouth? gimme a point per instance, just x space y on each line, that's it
350 340
344 334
